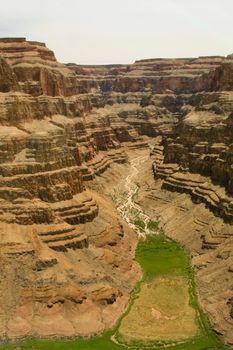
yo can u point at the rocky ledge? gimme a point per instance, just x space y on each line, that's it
67 259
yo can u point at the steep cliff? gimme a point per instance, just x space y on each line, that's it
67 258
36 68
60 242
188 103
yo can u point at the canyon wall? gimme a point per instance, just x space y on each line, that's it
61 271
67 256
186 106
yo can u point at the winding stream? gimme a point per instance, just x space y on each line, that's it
127 208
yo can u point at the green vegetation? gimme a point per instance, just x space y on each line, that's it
161 313
158 256
140 225
153 226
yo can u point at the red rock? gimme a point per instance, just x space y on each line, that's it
67 259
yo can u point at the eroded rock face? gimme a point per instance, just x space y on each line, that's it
155 75
207 238
8 81
199 157
67 259
189 103
36 68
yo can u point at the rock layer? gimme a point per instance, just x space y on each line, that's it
60 242
206 237
67 259
189 104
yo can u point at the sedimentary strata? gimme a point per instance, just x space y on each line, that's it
61 269
67 259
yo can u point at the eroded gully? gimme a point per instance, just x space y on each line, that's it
131 212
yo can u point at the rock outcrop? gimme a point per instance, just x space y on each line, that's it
155 75
36 68
67 259
205 236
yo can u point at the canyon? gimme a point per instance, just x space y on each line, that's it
67 136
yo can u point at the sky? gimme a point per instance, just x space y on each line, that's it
122 31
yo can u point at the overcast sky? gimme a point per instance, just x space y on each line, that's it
121 31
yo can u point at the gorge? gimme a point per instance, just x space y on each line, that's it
68 134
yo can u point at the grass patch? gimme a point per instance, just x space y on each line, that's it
140 225
158 256
153 225
161 312
161 256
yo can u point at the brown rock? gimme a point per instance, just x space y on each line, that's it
67 265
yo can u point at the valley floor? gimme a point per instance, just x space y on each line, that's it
165 299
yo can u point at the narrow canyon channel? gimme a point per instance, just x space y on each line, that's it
164 312
116 202
131 212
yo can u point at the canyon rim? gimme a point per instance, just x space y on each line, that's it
67 135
